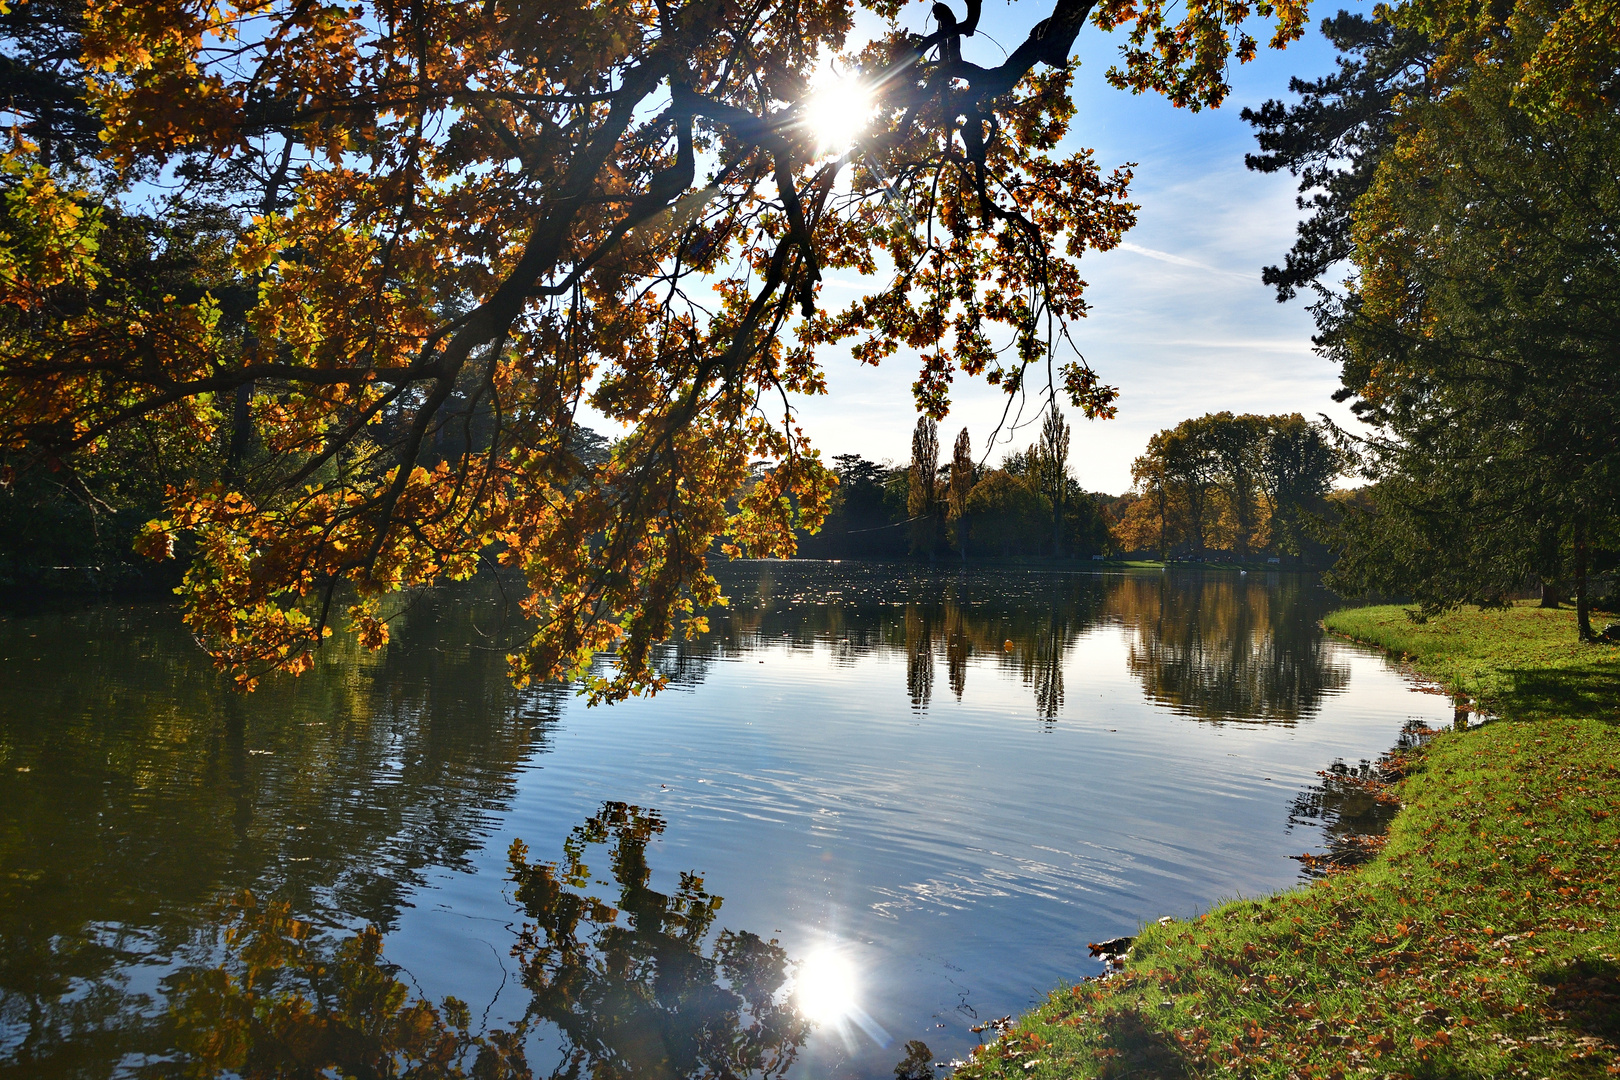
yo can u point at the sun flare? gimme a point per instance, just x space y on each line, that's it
825 987
837 111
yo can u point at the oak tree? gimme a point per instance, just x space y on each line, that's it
456 228
1237 483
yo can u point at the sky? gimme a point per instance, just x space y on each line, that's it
1179 320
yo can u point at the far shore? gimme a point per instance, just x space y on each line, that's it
1081 562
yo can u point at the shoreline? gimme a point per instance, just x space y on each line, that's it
1065 563
1483 939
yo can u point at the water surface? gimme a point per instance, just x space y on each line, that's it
937 786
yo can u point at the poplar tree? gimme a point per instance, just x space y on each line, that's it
922 492
1052 469
961 485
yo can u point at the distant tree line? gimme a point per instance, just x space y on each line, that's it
1240 486
1029 504
1228 486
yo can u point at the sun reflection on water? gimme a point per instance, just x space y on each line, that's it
825 986
825 992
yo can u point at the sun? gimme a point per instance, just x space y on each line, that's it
837 111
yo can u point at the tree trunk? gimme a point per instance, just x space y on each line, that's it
1195 508
1549 593
1164 513
1583 615
1243 507
241 426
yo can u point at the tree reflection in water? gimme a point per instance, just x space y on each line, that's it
636 988
287 1003
1355 804
1211 646
958 648
1036 647
631 985
152 787
1229 649
919 654
136 786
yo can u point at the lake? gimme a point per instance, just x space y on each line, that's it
932 787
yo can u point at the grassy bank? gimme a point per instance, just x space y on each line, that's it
1484 941
1523 662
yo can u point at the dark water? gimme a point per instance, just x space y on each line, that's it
931 789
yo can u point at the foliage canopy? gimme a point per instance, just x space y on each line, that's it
1231 483
444 229
1466 160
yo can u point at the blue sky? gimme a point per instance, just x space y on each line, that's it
1180 321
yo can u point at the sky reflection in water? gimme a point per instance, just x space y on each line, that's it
932 788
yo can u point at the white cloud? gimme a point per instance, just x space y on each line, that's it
1177 260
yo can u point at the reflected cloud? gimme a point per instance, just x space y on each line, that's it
1067 881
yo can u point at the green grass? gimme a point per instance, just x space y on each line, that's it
1484 941
1522 662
